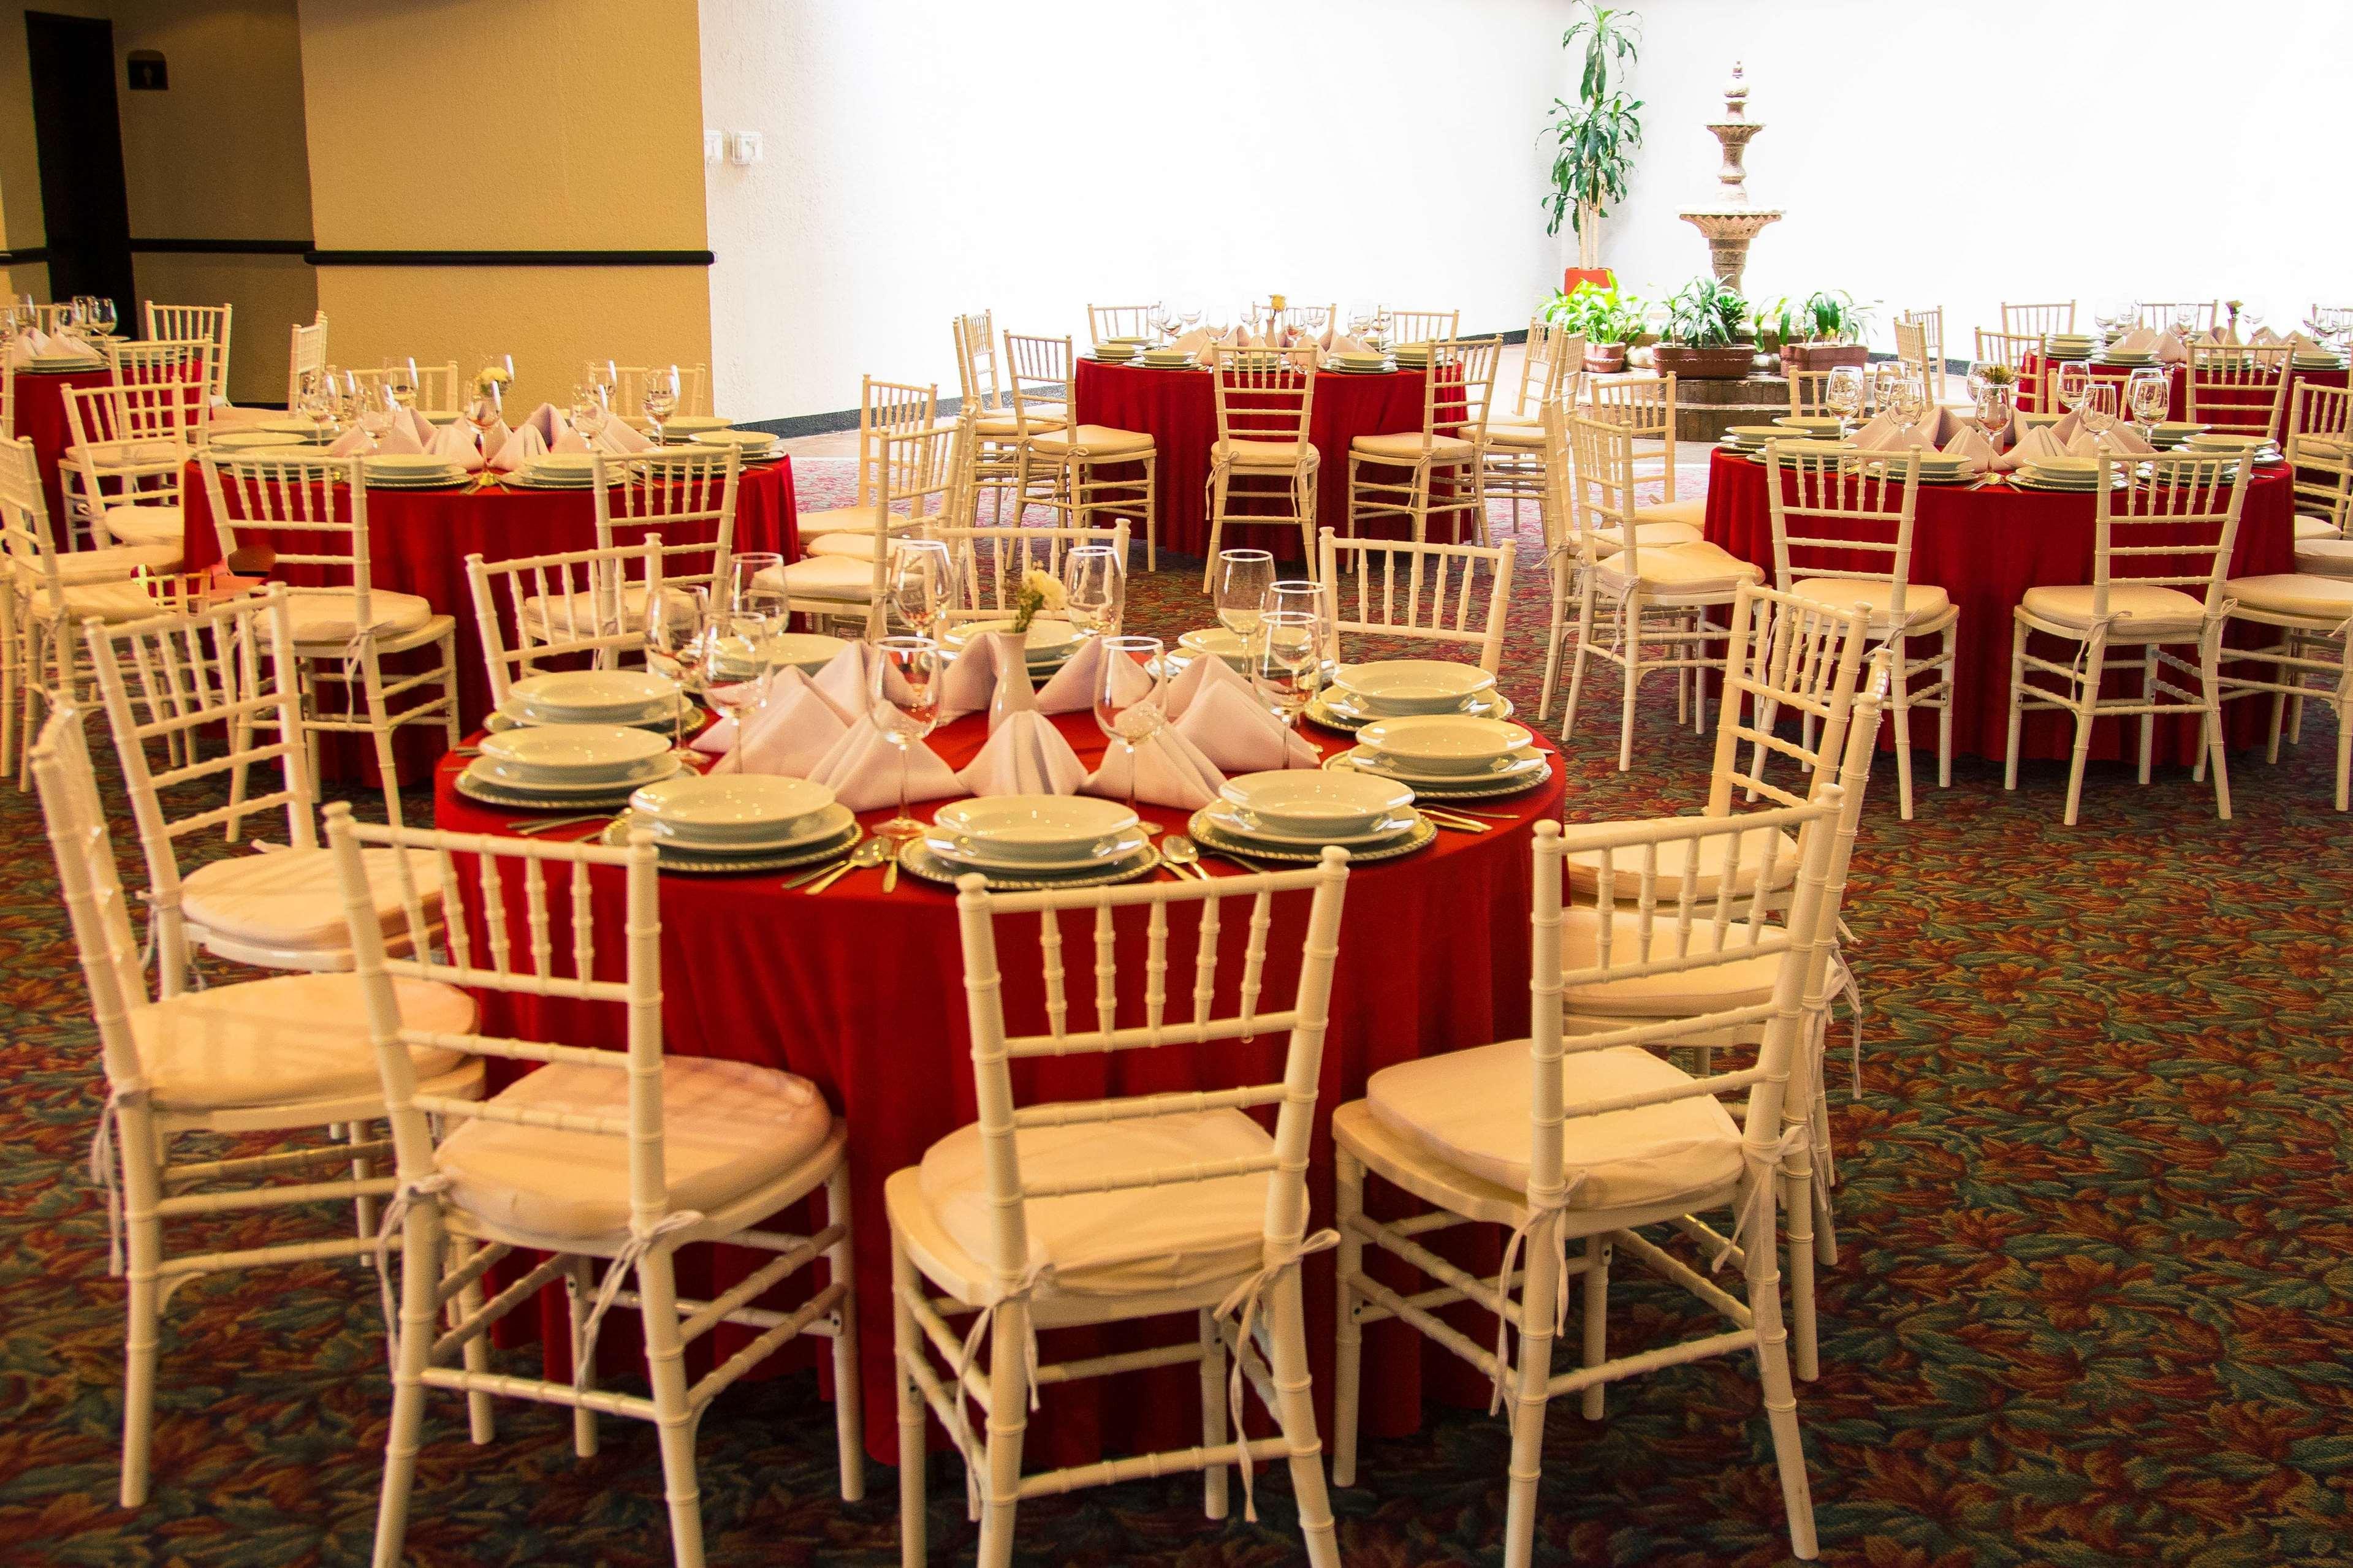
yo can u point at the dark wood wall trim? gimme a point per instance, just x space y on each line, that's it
24 257
510 258
222 247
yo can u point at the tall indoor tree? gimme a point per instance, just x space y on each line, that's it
1593 137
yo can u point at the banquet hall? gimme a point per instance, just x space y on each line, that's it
1523 782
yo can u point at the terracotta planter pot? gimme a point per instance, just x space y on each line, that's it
1600 276
1704 365
1605 359
1823 356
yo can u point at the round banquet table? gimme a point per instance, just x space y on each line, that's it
2035 366
861 991
420 540
1986 547
1178 409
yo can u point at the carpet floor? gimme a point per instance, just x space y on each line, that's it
2096 1304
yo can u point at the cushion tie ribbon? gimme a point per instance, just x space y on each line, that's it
584 1348
1757 1209
104 1165
1021 1290
1541 1205
1241 1304
431 1185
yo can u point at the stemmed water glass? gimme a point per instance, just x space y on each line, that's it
400 382
2148 393
102 319
1094 584
2185 320
905 704
755 585
1993 406
377 410
587 410
2075 384
660 397
1242 581
482 411
604 377
1842 393
1287 663
922 583
1131 697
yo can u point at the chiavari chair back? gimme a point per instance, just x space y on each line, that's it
2239 388
209 324
2037 321
1388 588
1105 323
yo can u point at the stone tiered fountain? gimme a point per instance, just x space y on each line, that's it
1731 225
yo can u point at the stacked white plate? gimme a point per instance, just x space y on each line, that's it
566 760
1364 364
1050 646
410 471
2174 432
739 813
2219 444
2316 359
1217 640
1752 438
1166 359
682 429
1821 429
2069 345
1394 688
557 471
622 697
1298 809
1447 750
1040 835
2138 357
1411 356
2060 474
46 362
1946 469
1113 350
257 439
753 444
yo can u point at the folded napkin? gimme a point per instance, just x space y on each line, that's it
1193 342
2035 444
2121 439
550 422
1344 344
419 427
570 441
1071 689
396 442
1025 755
2064 432
2266 338
455 441
523 448
1886 433
992 672
614 436
734 703
27 346
2172 350
2138 341
863 770
1167 770
790 733
1969 442
1231 728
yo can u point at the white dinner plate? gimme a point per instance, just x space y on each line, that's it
1299 802
1047 638
1509 773
816 827
730 809
982 858
1392 687
1026 827
1251 831
592 697
484 769
1444 743
1229 646
575 754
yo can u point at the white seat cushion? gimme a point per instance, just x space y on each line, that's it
1717 851
1115 1243
159 456
278 1041
849 520
1609 542
1739 983
2295 593
860 546
1685 569
2328 557
1513 433
1406 446
290 898
1098 441
823 577
115 601
1040 416
2315 528
576 613
728 1129
115 563
2138 609
1691 511
1263 454
1922 601
332 615
1471 1109
157 524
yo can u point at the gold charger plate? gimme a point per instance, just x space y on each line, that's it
695 862
1472 789
507 799
1210 837
917 860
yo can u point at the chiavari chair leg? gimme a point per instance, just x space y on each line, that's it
1797 1183
907 1341
2148 699
849 1407
1295 1410
420 1272
1347 1364
2086 694
1302 506
1552 640
380 730
363 1169
1948 661
1630 614
1009 1424
1220 479
1761 1263
2209 685
673 1414
2017 701
1213 1409
579 1287
2344 705
1595 1316
1531 1391
1899 695
139 1157
482 1423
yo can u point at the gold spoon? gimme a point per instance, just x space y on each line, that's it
872 852
1182 855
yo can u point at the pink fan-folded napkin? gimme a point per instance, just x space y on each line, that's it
455 441
520 451
419 427
1194 677
1168 770
1344 344
1025 755
570 441
863 770
2034 444
2138 341
2172 350
550 422
1071 689
614 436
27 346
791 734
1233 729
847 680
1195 341
1969 442
988 661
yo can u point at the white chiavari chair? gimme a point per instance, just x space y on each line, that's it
1425 326
54 317
1053 1215
1930 320
2013 350
2037 321
1913 351
1083 473
1105 323
312 513
306 358
121 476
1644 594
2161 313
680 503
629 391
1514 453
1442 461
996 437
207 324
987 563
285 1055
620 1155
2172 520
919 471
2320 463
2239 388
1265 400
1644 406
1591 1137
1806 393
1843 526
1388 588
7 398
886 411
561 610
2306 651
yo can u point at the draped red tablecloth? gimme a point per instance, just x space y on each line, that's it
2030 392
1178 409
1986 547
861 991
41 418
420 540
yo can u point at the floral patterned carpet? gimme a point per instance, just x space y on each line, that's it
2095 1306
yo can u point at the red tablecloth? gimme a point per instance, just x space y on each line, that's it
1986 548
1178 408
421 540
2030 388
41 418
862 992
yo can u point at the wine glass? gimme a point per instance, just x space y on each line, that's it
2185 320
102 319
660 397
602 375
2148 393
1130 697
922 583
482 411
1993 409
1287 663
905 704
587 410
678 620
400 381
377 410
1842 393
736 655
1094 583
755 585
1242 581
2075 384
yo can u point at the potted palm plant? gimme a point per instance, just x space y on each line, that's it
1823 331
1704 339
1607 319
1593 137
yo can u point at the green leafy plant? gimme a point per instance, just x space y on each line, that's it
1594 138
1706 314
1599 312
1826 316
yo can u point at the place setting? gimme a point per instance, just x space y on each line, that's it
1448 756
1026 842
633 698
739 824
573 766
1291 816
1362 694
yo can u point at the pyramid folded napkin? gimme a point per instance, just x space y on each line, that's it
614 436
991 672
2035 444
791 734
1025 755
456 442
1167 770
1233 729
847 681
1071 689
1969 442
863 770
525 446
550 422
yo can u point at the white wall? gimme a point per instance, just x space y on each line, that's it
933 156
2224 189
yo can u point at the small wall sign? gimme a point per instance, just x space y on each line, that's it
148 71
